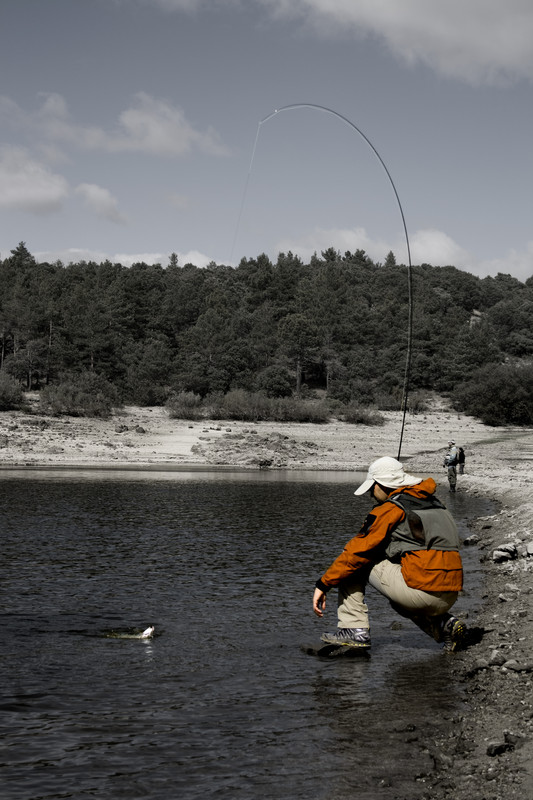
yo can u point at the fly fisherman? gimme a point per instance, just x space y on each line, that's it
407 549
450 462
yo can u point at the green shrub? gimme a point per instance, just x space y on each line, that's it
185 405
357 415
11 395
257 407
294 410
240 405
417 402
500 394
80 395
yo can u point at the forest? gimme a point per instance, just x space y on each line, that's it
331 333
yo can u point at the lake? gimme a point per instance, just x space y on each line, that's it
223 702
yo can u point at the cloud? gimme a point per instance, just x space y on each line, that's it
77 254
434 247
190 257
100 201
429 246
28 185
341 239
479 41
516 263
151 125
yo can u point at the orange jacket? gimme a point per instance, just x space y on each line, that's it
430 570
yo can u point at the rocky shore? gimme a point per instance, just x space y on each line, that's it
486 753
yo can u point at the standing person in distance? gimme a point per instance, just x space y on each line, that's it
461 460
450 462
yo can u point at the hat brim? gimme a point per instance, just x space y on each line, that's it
407 480
365 486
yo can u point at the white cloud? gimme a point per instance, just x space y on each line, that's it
428 246
518 264
437 248
154 126
342 239
101 202
190 257
151 125
77 254
71 254
478 41
28 185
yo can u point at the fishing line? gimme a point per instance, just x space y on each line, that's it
315 106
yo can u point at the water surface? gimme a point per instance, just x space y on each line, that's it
223 702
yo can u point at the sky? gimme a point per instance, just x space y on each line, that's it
223 129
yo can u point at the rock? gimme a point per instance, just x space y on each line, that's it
515 666
511 587
514 739
497 659
497 748
504 552
441 760
471 540
480 665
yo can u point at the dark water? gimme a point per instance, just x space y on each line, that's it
223 702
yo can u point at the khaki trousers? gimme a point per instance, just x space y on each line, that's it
387 578
452 477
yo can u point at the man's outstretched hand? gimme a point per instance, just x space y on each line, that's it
319 602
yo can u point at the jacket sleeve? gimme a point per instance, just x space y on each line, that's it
366 548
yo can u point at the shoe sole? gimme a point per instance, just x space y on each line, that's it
346 644
458 637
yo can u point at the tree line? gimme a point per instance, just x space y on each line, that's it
333 328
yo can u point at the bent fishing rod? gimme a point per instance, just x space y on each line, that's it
346 121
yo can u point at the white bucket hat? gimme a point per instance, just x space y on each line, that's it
389 473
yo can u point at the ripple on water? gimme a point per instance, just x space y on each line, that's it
222 701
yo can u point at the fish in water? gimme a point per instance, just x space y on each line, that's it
146 634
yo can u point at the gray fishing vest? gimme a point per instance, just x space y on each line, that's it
428 525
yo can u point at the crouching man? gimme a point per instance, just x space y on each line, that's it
407 549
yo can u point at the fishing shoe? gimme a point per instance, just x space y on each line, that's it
351 637
453 634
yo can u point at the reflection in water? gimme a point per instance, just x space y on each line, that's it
221 702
